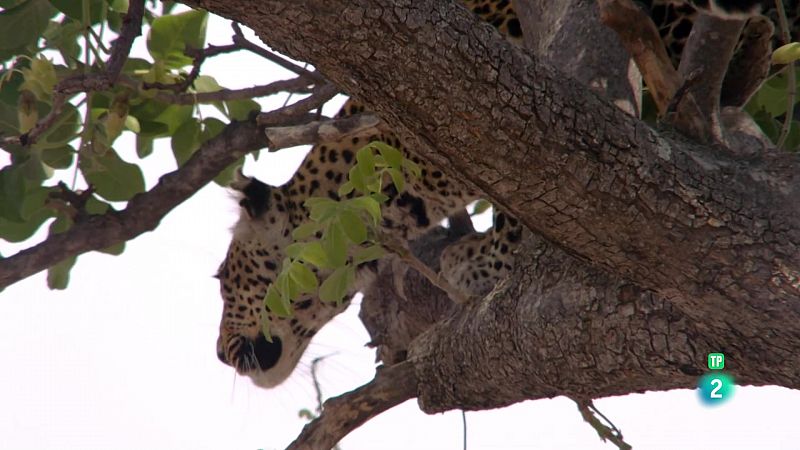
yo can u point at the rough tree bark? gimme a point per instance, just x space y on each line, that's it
693 249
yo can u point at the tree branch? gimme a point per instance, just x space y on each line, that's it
640 36
321 131
343 414
704 62
297 85
121 47
144 211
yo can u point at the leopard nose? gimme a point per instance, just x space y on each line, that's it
267 353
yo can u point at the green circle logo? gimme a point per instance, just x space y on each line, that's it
715 388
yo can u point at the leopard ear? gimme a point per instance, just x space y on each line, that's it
257 198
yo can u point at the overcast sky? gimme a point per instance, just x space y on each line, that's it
125 358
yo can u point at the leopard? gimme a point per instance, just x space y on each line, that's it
269 214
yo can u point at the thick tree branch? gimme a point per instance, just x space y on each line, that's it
662 212
341 415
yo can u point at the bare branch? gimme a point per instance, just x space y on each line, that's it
199 56
343 414
244 43
144 211
319 96
121 47
704 62
318 131
606 432
640 36
297 85
415 263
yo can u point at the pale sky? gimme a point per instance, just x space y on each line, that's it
125 357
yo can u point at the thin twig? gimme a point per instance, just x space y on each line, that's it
318 97
199 56
121 47
415 263
606 432
299 85
243 42
791 85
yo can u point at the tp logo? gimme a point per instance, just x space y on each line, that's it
715 387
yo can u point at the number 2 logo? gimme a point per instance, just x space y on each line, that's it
717 383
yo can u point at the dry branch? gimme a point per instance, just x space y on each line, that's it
640 36
320 131
704 63
343 414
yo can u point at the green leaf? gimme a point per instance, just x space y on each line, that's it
206 83
61 224
412 168
58 275
379 197
186 141
338 283
170 35
74 9
23 24
96 206
321 208
334 243
116 249
40 78
132 123
113 179
397 179
366 161
294 250
357 179
241 109
353 227
481 206
274 302
786 54
345 189
13 231
59 157
367 254
305 230
393 156
64 129
144 145
303 277
368 204
313 253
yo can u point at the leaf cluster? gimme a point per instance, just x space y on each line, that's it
46 44
340 234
